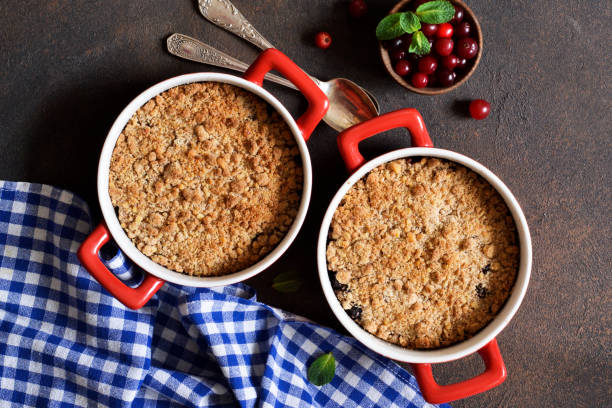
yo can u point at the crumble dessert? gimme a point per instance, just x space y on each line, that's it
422 254
206 179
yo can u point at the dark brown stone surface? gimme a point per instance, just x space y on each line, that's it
69 67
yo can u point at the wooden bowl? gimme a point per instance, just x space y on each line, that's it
469 16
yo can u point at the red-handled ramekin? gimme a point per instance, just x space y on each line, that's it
155 274
484 341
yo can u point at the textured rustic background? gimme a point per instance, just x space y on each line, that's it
69 67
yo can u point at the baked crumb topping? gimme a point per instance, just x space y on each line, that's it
206 179
422 254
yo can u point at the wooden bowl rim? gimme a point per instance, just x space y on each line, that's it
437 90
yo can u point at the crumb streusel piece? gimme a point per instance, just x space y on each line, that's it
206 179
422 254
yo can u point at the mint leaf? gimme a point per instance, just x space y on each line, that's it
322 370
397 24
287 282
390 27
435 12
410 22
420 44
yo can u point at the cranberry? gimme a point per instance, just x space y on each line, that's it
467 48
394 43
444 46
397 54
428 64
463 29
450 61
402 68
445 30
323 40
458 15
358 8
462 63
429 29
419 80
479 109
445 77
412 57
406 40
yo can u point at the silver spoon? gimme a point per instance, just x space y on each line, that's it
349 103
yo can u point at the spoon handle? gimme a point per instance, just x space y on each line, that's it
194 50
224 14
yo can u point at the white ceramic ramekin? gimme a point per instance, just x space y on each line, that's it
301 130
410 118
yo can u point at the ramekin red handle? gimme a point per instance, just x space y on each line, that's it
494 374
134 298
273 59
348 140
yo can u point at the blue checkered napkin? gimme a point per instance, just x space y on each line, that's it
64 341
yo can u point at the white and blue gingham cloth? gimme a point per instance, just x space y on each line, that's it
64 341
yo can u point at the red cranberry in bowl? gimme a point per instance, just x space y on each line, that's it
445 77
394 43
450 61
463 29
444 46
429 29
461 63
445 30
419 80
428 65
467 48
458 15
397 54
402 68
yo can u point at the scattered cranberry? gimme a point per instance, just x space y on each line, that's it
463 29
358 8
445 30
479 109
445 77
444 46
450 61
402 68
428 65
419 80
397 54
429 29
467 48
462 63
323 40
458 15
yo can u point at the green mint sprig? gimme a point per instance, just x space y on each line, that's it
287 282
396 24
322 370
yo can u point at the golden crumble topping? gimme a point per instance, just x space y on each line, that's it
206 179
422 254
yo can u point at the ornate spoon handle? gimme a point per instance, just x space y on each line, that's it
224 14
194 50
